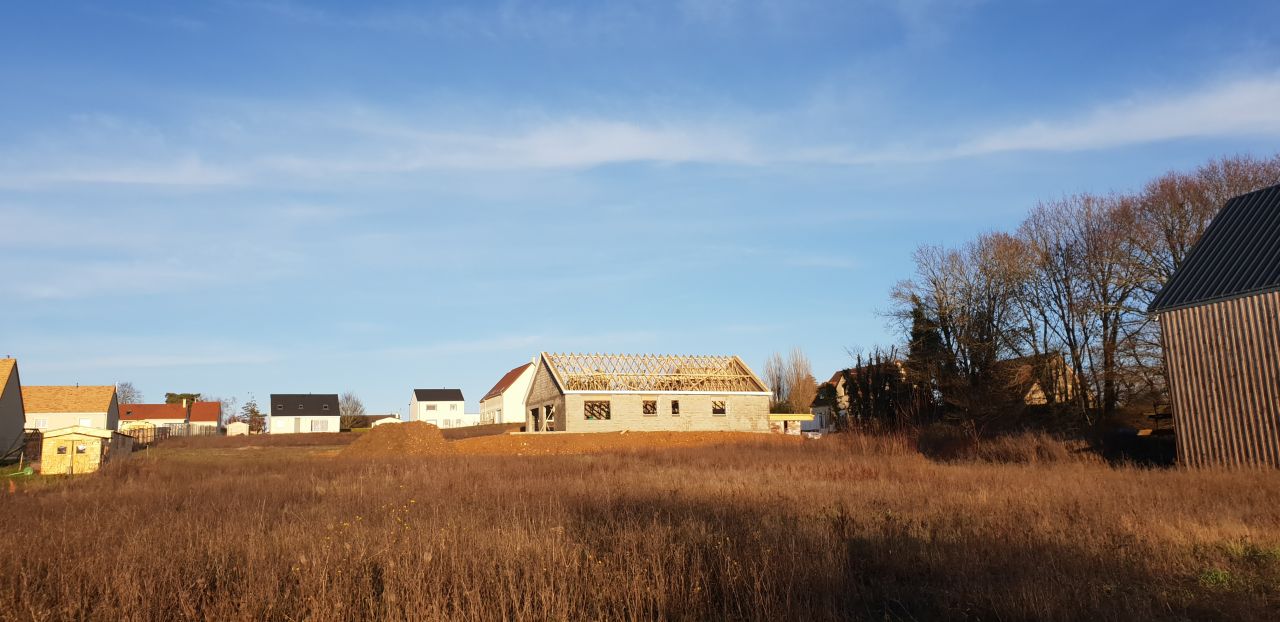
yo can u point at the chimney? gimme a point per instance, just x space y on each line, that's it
184 403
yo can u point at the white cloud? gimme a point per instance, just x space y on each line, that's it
1240 108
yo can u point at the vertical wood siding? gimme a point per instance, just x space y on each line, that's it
1223 361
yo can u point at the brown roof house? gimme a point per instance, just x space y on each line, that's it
645 392
504 403
53 407
12 413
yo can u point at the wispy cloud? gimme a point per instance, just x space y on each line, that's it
1244 107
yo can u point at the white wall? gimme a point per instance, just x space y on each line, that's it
53 421
286 425
511 402
454 420
422 411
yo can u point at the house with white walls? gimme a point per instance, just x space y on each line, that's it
53 407
303 413
504 403
443 408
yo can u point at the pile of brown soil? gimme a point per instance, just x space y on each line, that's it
414 438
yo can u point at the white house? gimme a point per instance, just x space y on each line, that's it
12 415
444 408
298 413
504 403
151 416
384 421
53 407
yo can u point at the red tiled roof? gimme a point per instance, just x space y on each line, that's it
206 411
506 381
138 412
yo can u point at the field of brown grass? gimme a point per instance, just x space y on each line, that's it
742 528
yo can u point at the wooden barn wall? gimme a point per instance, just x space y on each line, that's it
1223 362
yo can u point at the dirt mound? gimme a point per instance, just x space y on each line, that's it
414 438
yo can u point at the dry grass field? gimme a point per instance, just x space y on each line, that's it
287 528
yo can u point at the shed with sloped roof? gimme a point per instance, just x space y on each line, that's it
1220 327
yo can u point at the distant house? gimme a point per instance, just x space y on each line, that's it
444 408
298 413
53 407
1037 380
77 449
615 392
138 419
237 428
1220 326
12 414
205 417
504 403
384 421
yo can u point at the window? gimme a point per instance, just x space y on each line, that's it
324 407
457 423
299 406
650 408
719 407
675 407
42 424
429 407
86 422
62 450
549 412
279 406
453 407
596 410
81 448
319 425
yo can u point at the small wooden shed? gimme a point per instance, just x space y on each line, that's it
77 449
1220 326
237 428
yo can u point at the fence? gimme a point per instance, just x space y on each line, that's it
146 435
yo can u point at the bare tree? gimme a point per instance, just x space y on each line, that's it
791 381
351 411
126 393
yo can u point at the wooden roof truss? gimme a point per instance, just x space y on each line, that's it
653 372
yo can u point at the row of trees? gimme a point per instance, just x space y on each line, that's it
1075 280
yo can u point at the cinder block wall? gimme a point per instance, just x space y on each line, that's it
746 413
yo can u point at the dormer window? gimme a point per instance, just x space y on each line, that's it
299 406
279 406
325 407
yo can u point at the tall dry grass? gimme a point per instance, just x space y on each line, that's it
843 528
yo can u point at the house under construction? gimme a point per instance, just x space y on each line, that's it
645 392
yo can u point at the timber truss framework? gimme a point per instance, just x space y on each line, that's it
653 372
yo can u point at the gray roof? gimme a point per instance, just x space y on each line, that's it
304 404
1238 255
438 395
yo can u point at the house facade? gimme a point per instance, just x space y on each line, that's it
1219 320
645 392
504 403
12 413
444 408
205 418
136 418
53 407
303 413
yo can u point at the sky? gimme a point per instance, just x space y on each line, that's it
246 197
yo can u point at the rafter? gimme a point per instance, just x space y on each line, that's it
653 372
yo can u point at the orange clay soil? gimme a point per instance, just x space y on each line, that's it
561 443
413 438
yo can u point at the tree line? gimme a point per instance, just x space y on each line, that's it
1072 284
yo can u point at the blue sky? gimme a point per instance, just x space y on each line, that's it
247 197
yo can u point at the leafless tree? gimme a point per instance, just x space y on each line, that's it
791 381
126 393
350 410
